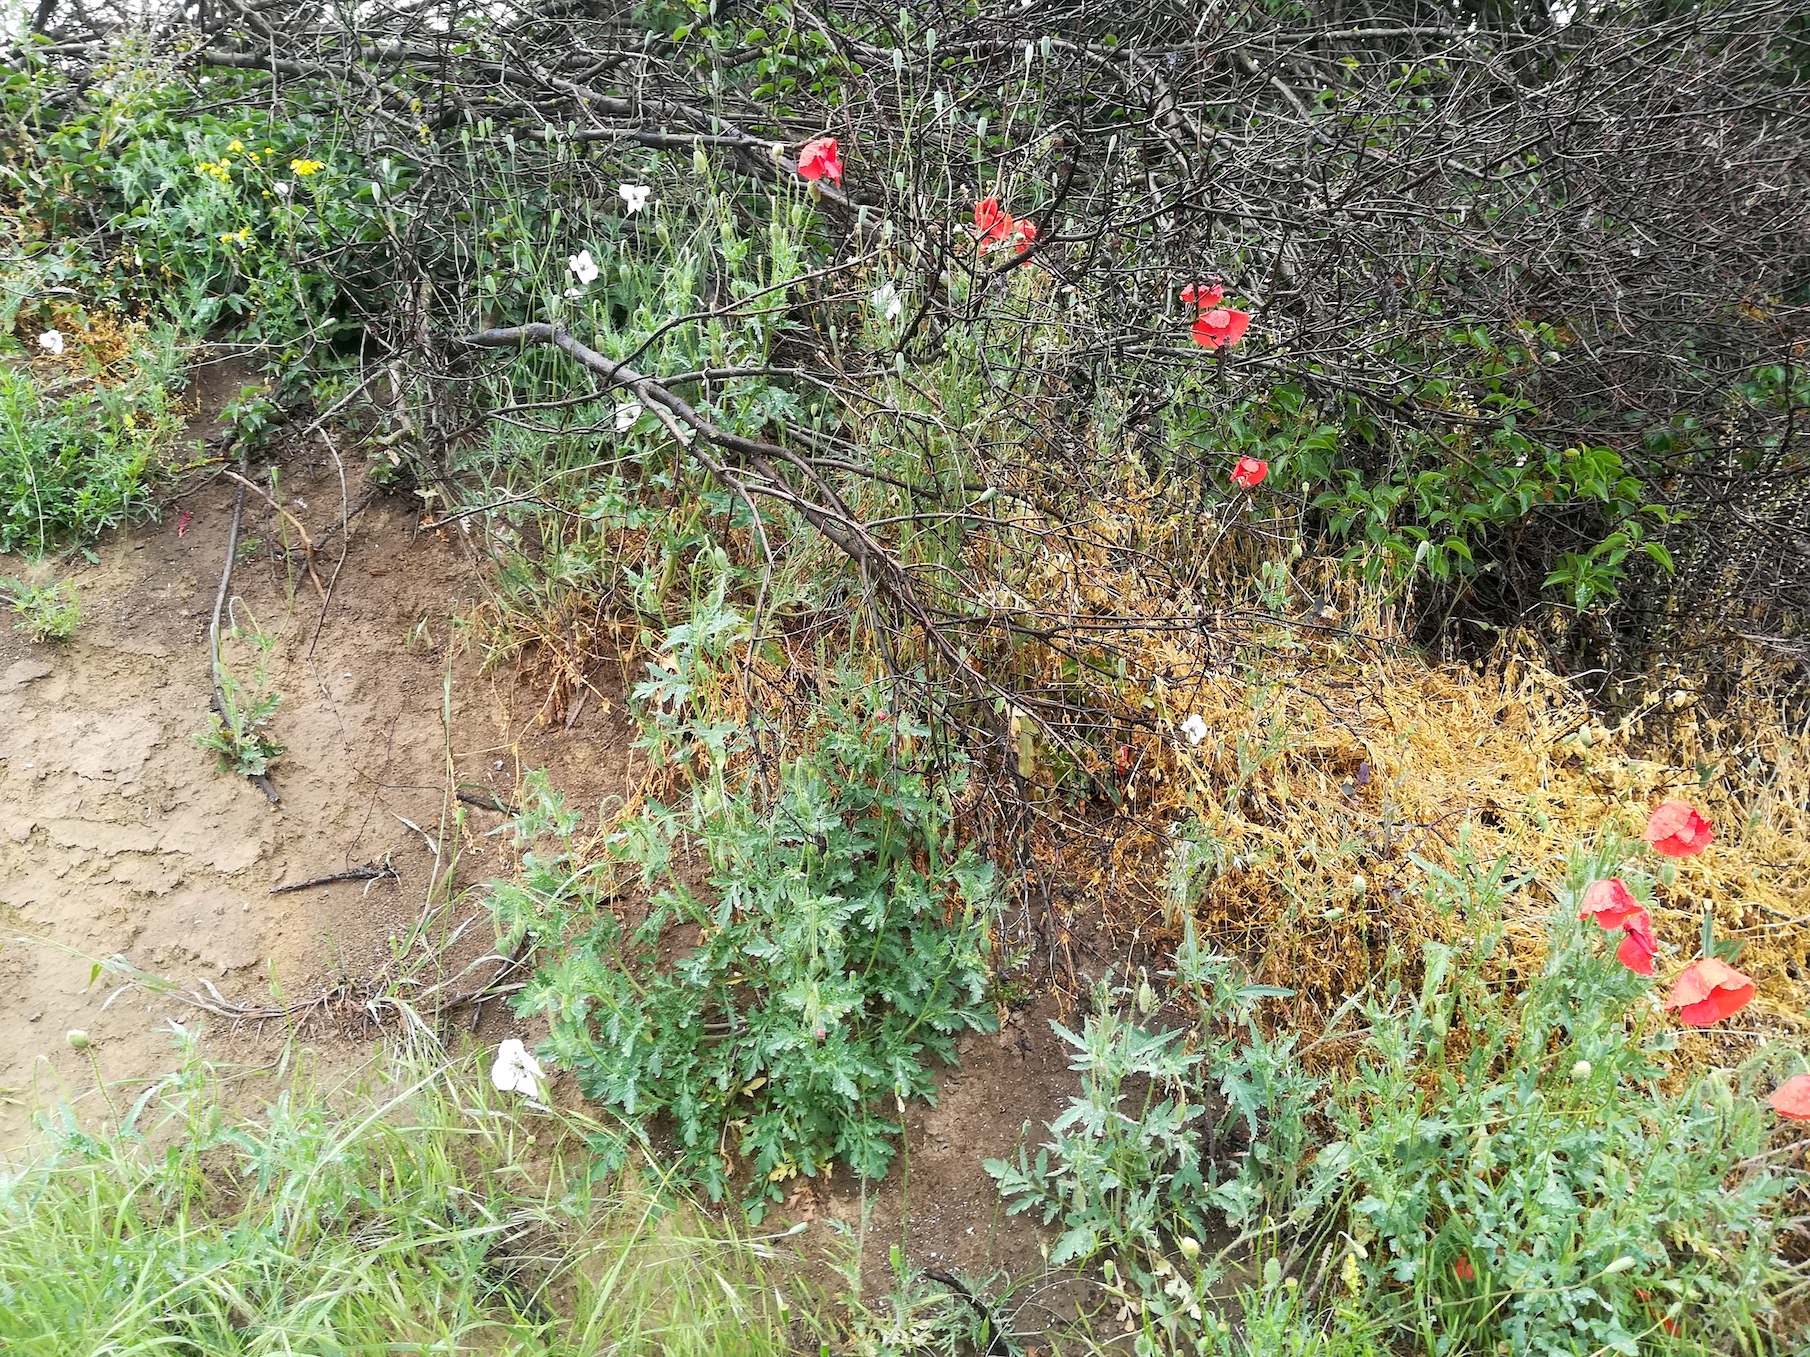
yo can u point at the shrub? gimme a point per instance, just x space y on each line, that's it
1136 1181
837 947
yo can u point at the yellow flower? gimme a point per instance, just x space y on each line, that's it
304 168
235 146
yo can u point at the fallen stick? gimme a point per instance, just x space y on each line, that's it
483 800
370 871
307 542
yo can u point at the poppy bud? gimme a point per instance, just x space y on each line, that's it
1580 1071
1189 1246
78 1039
1358 884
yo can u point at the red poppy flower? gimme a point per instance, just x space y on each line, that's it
1250 472
1638 945
1670 1325
1708 991
819 160
1463 1270
1220 328
1204 296
1791 1099
1608 902
1677 830
992 223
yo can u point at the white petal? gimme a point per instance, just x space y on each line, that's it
51 340
1195 729
626 415
516 1070
583 267
634 195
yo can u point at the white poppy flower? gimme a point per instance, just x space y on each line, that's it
51 341
280 189
1195 729
887 301
575 292
626 415
583 267
517 1071
635 195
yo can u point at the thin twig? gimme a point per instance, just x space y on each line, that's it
370 871
296 523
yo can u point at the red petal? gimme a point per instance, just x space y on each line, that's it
990 221
1792 1098
1637 951
1609 902
1250 471
817 159
1206 334
1708 991
1678 830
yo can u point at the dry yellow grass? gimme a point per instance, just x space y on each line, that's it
1328 787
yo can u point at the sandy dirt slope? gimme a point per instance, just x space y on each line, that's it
118 835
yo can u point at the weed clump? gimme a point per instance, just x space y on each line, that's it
810 949
46 612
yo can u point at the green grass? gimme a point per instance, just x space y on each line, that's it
415 1213
46 612
77 456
